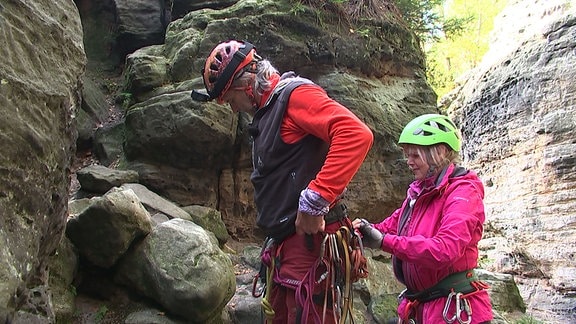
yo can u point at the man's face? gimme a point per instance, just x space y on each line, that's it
238 99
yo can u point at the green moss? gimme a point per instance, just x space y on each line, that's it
384 308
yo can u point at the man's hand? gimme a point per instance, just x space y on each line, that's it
308 224
371 237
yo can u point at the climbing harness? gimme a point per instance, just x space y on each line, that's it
328 283
457 287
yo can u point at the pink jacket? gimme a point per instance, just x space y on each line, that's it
440 238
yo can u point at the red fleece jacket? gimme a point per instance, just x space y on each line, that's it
311 111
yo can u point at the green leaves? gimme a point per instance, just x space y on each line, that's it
454 35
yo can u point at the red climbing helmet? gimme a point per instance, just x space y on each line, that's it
223 63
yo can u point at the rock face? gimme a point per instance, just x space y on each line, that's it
40 72
517 112
174 258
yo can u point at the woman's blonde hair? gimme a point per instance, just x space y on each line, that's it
434 155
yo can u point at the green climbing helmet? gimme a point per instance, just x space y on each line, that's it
431 129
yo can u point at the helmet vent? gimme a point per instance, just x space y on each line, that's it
418 131
440 126
421 132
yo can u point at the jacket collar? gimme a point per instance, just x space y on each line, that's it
419 187
274 79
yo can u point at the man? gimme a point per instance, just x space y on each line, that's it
306 149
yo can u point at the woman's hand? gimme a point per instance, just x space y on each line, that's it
356 223
371 237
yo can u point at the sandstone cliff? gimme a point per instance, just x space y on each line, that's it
517 112
41 62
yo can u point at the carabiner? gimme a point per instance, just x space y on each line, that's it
338 302
447 307
460 300
335 253
323 246
257 291
401 295
355 235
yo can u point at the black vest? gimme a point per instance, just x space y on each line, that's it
281 171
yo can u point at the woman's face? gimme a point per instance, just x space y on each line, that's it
415 161
419 158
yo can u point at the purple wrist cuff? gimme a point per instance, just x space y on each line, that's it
312 203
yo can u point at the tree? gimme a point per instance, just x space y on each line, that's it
463 52
454 35
426 19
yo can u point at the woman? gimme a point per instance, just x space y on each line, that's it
433 237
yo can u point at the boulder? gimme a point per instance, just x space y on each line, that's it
181 267
105 230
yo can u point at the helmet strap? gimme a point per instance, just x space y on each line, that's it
250 92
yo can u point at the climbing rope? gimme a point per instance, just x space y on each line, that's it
341 263
266 306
